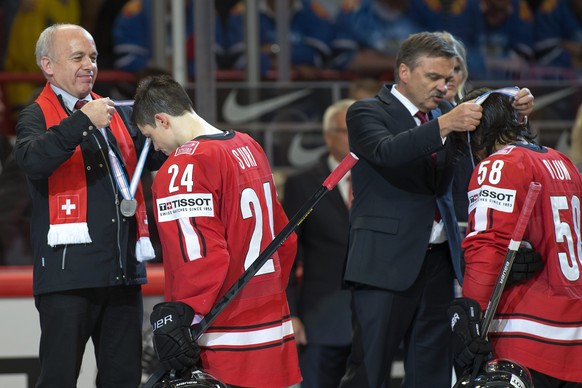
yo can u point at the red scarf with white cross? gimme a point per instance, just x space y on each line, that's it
67 185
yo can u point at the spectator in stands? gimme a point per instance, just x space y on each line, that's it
508 38
558 34
367 34
309 36
320 309
106 16
363 88
133 36
32 18
462 19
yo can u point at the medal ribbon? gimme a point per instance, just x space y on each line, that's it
127 190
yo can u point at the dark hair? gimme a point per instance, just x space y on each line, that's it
159 94
498 124
422 44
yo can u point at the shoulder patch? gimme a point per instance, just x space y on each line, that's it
187 148
505 151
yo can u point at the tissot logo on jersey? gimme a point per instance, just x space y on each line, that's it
495 198
185 206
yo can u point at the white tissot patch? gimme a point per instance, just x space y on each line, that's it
495 198
184 206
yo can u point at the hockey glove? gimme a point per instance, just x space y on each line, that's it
468 347
173 341
526 264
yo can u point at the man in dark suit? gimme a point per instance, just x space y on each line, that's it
404 248
319 306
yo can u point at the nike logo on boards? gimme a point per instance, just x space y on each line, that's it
300 156
235 113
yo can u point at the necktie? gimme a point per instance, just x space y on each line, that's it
423 117
80 103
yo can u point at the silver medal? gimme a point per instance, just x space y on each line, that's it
128 207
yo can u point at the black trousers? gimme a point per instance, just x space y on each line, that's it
110 316
417 317
322 366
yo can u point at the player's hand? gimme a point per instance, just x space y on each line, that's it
173 341
299 331
526 264
468 347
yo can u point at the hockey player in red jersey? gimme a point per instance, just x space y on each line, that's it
216 209
538 322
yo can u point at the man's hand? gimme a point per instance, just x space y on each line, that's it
173 341
299 331
526 264
524 102
462 118
468 347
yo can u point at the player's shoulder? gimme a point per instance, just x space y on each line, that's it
519 151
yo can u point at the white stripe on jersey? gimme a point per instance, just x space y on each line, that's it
190 239
246 338
538 329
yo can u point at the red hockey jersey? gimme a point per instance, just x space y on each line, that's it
538 323
216 209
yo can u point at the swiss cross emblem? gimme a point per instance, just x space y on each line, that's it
68 206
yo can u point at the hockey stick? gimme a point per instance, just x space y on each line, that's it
530 200
330 182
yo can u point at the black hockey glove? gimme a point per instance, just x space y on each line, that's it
173 341
526 264
468 347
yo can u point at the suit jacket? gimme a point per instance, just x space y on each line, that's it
396 191
319 300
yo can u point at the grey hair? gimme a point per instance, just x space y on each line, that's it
45 42
333 110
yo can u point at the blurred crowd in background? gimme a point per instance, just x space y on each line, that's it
506 40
